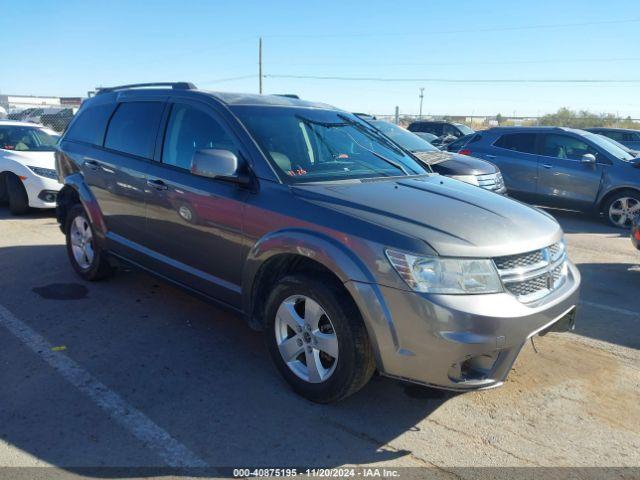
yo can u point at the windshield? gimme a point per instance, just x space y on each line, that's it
312 145
404 138
27 139
609 147
615 142
464 129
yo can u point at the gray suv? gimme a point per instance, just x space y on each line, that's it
319 230
563 167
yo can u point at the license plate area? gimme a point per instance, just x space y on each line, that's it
565 324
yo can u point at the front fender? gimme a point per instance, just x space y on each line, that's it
344 263
615 188
316 246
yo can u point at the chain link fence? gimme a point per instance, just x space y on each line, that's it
55 118
480 122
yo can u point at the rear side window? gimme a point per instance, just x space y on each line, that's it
90 124
518 142
133 128
615 135
631 137
191 129
433 129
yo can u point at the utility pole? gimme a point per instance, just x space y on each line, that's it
421 97
260 65
397 115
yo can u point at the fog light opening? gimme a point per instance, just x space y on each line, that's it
48 196
474 368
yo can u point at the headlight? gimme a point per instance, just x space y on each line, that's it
446 275
472 179
44 172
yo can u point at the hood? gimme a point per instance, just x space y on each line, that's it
446 163
33 159
453 218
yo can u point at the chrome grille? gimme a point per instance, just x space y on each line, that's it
491 181
519 261
533 275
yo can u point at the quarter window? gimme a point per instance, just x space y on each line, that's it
90 124
518 142
615 135
191 129
566 147
632 137
133 128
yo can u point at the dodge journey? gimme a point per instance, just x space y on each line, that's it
348 253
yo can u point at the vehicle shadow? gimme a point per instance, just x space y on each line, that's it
579 222
609 298
196 371
5 214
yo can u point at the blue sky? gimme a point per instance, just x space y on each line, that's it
69 47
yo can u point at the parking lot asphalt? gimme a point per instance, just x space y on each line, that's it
133 372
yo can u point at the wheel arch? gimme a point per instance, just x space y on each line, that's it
289 251
76 191
606 196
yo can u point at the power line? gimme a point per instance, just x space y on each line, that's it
465 30
229 79
449 64
450 80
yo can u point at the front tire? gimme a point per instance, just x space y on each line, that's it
17 195
622 207
86 257
317 338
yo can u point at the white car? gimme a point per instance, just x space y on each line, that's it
27 166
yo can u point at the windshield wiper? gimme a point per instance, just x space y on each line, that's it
322 124
311 124
370 130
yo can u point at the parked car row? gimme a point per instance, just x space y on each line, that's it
565 168
56 118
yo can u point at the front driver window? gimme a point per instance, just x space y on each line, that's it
565 147
191 129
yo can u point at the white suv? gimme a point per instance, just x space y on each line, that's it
27 166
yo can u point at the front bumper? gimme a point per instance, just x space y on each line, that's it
458 342
41 191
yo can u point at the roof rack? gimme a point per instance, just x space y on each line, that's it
173 85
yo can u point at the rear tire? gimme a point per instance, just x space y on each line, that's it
17 195
338 328
86 257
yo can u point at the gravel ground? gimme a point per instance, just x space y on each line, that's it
133 372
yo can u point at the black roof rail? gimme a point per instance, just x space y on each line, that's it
288 95
174 85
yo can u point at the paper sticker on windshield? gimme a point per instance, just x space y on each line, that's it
296 172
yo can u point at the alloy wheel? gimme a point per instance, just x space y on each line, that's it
82 242
306 338
623 210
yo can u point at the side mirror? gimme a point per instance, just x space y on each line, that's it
218 164
588 159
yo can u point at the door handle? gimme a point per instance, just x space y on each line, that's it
546 165
490 157
157 184
92 164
